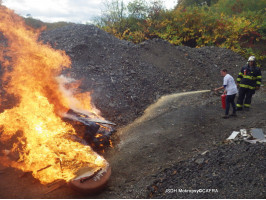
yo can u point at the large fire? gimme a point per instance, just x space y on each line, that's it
44 142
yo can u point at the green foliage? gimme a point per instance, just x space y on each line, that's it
231 7
189 3
238 25
138 9
114 13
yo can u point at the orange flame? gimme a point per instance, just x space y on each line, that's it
46 148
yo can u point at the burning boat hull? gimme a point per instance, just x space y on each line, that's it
93 183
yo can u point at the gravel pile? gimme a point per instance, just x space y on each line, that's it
125 78
230 171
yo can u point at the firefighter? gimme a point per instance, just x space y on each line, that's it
248 80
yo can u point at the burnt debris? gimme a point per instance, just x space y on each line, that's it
93 131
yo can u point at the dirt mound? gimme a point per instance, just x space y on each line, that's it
125 78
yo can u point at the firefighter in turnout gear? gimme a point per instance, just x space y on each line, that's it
248 80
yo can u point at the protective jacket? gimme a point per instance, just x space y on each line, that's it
249 77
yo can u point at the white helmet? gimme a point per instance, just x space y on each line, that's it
251 58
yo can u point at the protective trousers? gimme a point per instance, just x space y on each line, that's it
244 95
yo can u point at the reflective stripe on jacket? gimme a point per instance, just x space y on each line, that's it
249 77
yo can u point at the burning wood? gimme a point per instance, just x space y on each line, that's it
53 183
44 168
84 118
55 186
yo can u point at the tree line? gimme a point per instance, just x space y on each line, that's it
238 25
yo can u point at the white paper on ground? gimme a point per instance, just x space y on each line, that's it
233 135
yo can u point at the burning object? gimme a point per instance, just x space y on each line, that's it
95 132
43 143
91 183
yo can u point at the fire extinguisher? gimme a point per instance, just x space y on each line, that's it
223 97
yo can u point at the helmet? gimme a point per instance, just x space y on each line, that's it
251 58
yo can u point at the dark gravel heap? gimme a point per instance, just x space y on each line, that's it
125 78
230 171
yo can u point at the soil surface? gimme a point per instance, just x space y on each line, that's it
159 139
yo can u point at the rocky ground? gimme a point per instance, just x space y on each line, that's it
160 148
230 171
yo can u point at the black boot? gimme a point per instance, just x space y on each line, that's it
239 109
